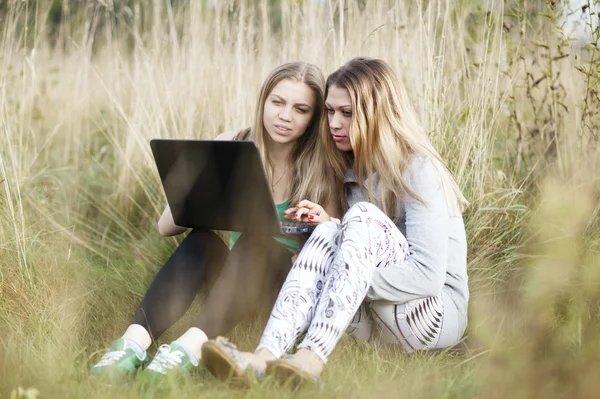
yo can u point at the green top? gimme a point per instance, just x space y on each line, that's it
292 245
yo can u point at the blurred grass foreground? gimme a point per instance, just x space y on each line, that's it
509 98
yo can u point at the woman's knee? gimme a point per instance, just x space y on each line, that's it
202 243
362 209
200 250
206 238
327 229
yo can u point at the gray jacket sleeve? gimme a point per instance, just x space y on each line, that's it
423 272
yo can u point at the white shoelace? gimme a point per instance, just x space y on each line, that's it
165 359
110 358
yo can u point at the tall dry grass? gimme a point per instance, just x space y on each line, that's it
506 99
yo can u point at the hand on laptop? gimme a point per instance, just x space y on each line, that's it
308 212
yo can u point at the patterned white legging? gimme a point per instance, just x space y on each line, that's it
329 281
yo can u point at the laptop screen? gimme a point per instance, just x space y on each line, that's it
218 185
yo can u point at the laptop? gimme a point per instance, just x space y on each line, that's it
219 185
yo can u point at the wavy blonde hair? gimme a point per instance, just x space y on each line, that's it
385 133
312 177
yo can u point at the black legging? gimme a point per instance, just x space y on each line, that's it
247 278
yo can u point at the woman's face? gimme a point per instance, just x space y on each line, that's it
288 110
339 114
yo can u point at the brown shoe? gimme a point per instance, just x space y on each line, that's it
223 359
289 373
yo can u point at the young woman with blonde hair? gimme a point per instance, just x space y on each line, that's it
396 261
250 272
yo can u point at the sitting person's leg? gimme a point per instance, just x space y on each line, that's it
170 294
368 239
247 277
198 259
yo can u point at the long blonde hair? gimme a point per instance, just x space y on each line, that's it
312 176
385 133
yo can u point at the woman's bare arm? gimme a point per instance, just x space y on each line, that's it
167 226
225 136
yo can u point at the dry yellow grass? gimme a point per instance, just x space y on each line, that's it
79 195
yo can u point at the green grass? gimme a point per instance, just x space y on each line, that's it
79 195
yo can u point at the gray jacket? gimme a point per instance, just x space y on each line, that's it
437 260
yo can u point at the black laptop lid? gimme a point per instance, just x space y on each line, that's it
218 185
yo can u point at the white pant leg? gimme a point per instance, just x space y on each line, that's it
301 291
367 239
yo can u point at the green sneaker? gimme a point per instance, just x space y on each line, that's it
119 362
169 359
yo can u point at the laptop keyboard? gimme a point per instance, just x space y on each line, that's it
293 227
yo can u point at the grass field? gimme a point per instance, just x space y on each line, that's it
509 102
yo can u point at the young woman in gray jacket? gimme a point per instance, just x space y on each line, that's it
397 261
